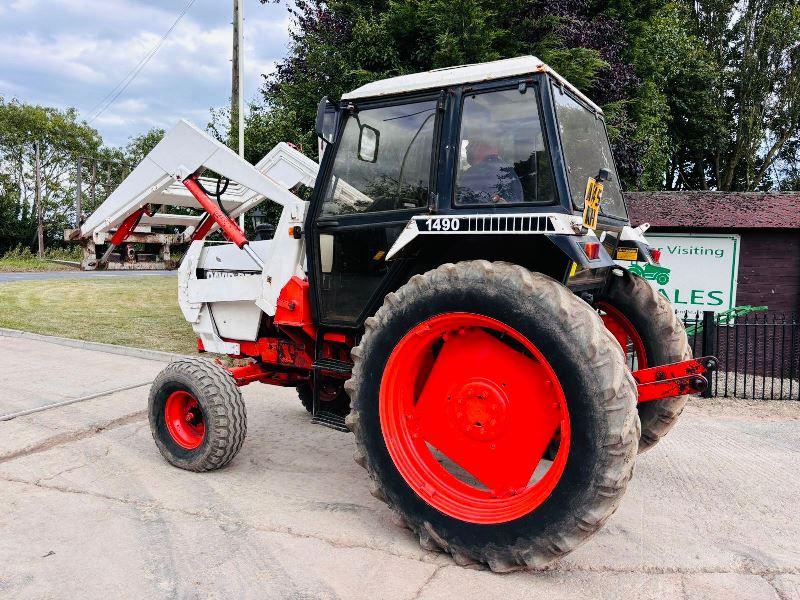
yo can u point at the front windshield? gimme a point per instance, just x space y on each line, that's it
586 151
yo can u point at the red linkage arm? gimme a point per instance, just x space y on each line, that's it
676 379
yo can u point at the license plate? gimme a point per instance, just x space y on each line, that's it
627 254
591 203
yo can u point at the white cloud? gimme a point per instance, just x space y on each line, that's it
74 52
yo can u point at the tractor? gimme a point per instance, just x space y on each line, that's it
446 293
651 272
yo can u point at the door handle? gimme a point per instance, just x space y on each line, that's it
327 224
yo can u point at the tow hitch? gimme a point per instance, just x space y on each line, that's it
676 379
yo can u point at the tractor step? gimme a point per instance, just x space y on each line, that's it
329 419
333 365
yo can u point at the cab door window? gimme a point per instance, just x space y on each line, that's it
586 151
384 161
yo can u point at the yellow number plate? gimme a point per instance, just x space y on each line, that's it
627 254
591 203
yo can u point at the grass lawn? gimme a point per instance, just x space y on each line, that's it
27 264
128 311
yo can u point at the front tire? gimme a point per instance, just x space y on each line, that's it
519 324
197 415
645 320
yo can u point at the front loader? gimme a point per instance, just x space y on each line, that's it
448 294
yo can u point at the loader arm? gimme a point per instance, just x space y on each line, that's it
186 150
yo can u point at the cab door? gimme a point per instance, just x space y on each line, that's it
379 177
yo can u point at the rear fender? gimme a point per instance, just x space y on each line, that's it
633 245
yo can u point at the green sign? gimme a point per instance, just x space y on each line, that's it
696 271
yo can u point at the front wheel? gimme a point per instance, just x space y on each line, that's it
650 333
462 381
197 415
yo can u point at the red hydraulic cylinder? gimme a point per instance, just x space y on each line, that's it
229 228
127 226
203 229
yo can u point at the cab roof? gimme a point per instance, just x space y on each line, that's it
442 78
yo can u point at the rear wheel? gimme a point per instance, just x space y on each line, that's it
197 415
461 381
645 325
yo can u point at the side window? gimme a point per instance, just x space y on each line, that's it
503 158
383 161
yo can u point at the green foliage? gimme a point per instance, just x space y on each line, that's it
17 226
338 45
22 259
698 94
61 137
677 106
140 146
720 98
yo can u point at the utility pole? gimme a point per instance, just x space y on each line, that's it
38 192
237 80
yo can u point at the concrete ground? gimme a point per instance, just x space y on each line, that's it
90 509
39 275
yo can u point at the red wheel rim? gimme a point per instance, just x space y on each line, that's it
621 328
185 420
476 392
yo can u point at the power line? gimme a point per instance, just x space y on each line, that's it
115 93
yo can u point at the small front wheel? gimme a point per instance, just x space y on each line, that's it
197 415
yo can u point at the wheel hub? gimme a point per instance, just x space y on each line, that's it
479 410
194 416
184 419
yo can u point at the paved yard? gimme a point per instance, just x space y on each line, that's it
91 510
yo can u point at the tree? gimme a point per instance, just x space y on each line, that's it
337 45
61 139
140 145
698 94
720 100
17 223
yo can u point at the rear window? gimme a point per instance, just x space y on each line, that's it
503 158
586 150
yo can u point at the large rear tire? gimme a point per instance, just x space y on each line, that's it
197 415
518 344
648 328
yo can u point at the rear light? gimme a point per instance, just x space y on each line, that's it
592 250
655 255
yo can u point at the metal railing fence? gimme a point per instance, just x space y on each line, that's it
759 353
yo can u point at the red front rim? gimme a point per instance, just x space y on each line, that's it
468 408
623 330
184 419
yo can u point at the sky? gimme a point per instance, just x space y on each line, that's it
73 53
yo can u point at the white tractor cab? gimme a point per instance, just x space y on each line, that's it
448 294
